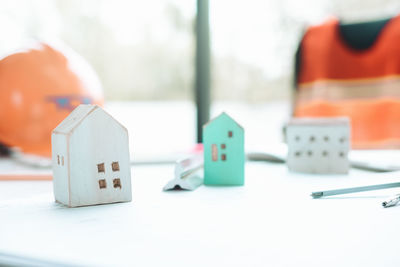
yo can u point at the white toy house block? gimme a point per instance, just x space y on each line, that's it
318 145
90 156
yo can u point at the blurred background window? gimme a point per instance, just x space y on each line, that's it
144 50
254 41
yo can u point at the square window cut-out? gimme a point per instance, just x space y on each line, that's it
230 134
100 167
223 157
102 183
223 146
115 166
117 183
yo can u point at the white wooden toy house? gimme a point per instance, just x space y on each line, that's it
318 145
90 155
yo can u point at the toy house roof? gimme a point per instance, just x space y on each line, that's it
78 115
221 115
321 121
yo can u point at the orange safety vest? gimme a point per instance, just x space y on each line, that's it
335 79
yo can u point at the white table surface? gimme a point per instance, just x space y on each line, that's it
271 221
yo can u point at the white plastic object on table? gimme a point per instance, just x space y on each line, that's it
187 174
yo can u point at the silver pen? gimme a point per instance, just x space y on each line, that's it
391 202
350 190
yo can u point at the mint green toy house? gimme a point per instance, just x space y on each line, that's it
223 140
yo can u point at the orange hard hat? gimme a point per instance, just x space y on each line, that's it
39 87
